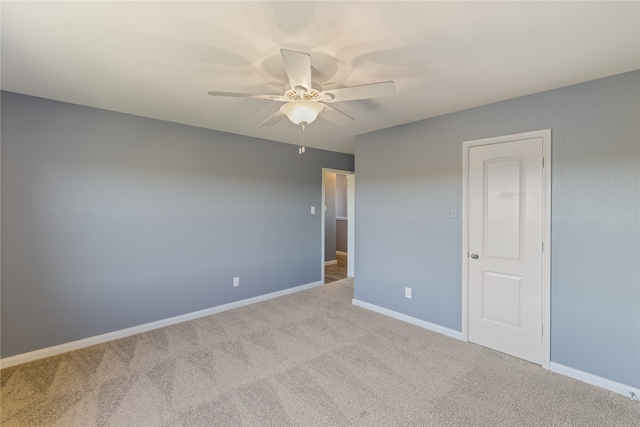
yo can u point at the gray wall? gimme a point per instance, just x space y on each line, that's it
410 241
111 221
330 217
341 211
341 195
342 235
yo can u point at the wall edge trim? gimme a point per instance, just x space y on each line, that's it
595 380
586 377
409 319
122 333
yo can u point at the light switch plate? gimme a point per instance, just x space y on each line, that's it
453 213
313 210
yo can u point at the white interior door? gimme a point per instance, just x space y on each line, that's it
505 244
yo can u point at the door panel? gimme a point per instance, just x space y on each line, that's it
503 208
506 232
502 299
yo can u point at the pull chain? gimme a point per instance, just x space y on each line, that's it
301 149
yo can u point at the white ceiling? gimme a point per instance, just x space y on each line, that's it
158 59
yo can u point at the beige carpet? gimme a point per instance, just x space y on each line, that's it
306 359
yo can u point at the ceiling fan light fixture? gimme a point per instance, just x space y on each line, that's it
302 111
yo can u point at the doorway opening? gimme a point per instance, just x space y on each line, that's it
337 224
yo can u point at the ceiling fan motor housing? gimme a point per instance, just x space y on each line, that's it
300 92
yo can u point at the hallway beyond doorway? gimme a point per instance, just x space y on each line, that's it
338 271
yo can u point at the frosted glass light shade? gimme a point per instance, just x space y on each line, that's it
302 111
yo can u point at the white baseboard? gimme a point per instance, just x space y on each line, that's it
586 377
100 339
409 319
335 261
616 387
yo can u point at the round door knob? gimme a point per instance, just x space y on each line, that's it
474 255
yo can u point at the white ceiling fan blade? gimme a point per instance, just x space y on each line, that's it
351 93
335 116
273 119
298 67
244 95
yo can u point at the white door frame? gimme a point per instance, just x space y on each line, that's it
546 257
350 220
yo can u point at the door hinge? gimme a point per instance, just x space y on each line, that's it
543 162
543 246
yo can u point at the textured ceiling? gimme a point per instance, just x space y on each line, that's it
158 59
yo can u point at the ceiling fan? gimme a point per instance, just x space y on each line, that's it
304 100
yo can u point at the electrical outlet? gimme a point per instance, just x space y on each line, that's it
236 281
407 293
